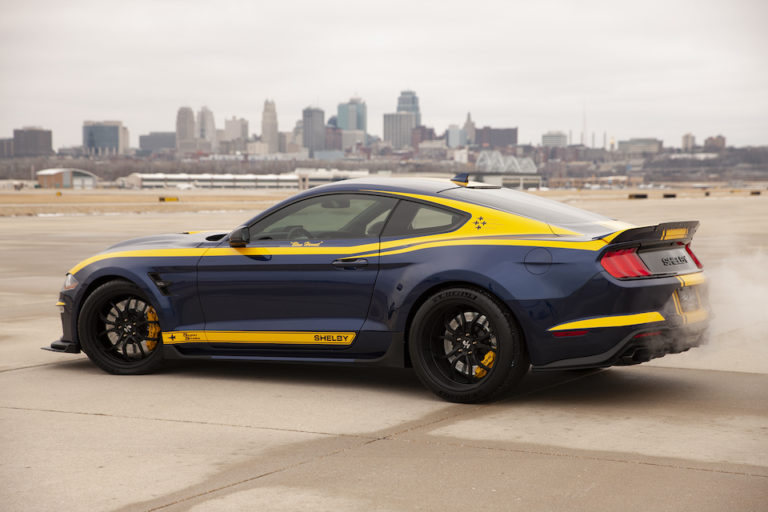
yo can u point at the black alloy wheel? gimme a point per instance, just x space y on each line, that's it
466 347
119 329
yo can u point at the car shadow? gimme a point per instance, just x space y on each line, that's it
642 386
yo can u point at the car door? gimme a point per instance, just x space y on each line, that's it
305 277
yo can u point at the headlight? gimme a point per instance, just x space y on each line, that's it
69 282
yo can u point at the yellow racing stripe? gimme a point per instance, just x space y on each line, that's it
370 250
611 321
692 279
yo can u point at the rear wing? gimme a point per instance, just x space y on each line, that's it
668 231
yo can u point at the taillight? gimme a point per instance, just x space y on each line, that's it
693 256
623 263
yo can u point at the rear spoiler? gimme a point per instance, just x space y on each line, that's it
667 231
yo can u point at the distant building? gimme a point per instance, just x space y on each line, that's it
297 135
186 134
421 134
313 130
554 140
353 115
689 142
269 131
398 128
235 128
300 179
409 102
469 129
640 146
157 141
32 141
714 143
6 148
257 148
206 130
491 138
434 149
105 138
333 138
456 137
66 178
286 143
351 138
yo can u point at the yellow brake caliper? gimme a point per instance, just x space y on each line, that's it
488 360
153 328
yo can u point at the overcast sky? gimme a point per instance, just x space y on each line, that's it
638 69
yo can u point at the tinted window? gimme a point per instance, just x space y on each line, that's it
326 217
415 219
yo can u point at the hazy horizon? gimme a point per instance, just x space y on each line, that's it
656 69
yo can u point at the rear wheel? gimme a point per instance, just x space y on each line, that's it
119 329
466 347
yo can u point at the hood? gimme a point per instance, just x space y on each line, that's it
188 239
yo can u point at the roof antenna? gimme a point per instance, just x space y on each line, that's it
461 179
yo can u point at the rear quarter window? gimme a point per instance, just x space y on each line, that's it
418 219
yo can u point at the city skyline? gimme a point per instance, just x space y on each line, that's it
661 71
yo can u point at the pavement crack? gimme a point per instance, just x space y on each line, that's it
191 422
17 368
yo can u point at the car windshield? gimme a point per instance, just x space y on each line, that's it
534 207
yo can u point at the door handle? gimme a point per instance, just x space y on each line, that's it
350 263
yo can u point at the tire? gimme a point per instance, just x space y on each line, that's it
119 330
466 347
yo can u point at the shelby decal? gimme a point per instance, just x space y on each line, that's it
674 260
260 337
331 338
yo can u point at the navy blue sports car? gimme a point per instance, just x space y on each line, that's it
469 284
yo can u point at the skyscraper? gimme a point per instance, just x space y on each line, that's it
235 128
554 140
185 131
456 136
313 128
409 102
689 142
398 128
469 129
105 138
488 137
206 128
32 141
353 115
269 132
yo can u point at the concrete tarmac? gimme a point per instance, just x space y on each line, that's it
686 432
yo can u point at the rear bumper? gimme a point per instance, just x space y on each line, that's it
684 324
639 347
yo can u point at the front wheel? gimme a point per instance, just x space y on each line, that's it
119 329
466 347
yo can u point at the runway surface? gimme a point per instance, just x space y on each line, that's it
687 432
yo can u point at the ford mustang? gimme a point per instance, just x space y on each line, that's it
469 284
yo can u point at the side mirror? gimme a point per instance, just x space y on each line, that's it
239 237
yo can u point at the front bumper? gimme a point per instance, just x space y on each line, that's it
63 346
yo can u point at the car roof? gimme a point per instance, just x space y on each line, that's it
410 185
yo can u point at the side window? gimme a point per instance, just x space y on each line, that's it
417 219
327 217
